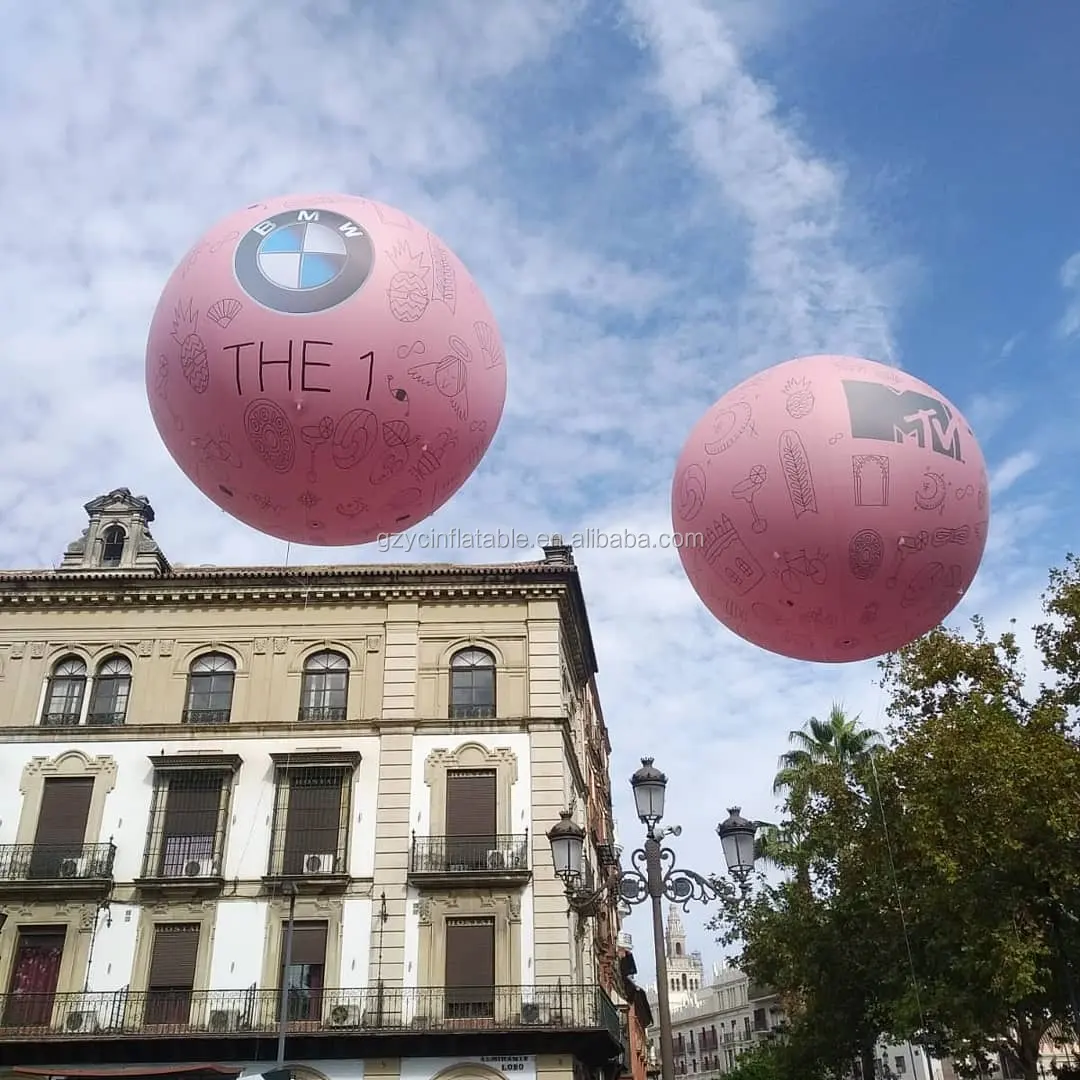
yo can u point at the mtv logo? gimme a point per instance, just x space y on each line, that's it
881 412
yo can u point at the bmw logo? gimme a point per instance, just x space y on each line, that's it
301 262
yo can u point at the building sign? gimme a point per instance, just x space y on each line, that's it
511 1064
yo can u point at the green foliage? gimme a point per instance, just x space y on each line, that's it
770 1061
930 879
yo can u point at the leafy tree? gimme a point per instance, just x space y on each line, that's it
768 1061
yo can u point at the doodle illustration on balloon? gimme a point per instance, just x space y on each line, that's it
309 500
352 508
943 537
906 546
870 473
490 346
394 218
431 455
931 578
267 504
477 426
216 458
217 245
866 553
690 491
870 613
747 489
730 558
981 529
222 312
795 466
817 617
417 348
800 398
194 362
397 439
965 492
800 567
444 279
354 436
191 259
768 614
450 376
728 427
398 393
982 498
931 492
834 439
734 611
410 289
313 436
270 433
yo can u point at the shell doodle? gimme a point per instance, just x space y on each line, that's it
728 426
354 437
271 435
222 312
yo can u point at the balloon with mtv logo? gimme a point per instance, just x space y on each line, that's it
325 369
831 508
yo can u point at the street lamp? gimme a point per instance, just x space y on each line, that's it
653 876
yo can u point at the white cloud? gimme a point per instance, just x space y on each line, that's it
635 278
1070 282
1012 469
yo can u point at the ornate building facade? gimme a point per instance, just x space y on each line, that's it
239 805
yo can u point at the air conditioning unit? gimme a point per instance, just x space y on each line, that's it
72 868
344 1016
625 941
199 868
532 1012
496 860
319 864
81 1020
225 1020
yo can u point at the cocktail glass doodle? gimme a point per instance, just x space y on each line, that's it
747 489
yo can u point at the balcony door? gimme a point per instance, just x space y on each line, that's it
171 981
189 825
471 798
312 823
470 969
34 977
305 977
61 828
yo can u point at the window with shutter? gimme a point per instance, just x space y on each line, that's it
310 840
305 977
35 974
471 797
470 968
171 979
61 825
189 824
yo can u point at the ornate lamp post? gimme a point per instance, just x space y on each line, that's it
653 876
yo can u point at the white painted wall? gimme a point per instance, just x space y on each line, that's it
520 817
239 938
512 1067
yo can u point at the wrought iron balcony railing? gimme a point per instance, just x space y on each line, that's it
60 719
206 716
56 862
308 854
469 854
157 1014
104 719
470 711
321 714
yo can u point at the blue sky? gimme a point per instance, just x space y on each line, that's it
657 196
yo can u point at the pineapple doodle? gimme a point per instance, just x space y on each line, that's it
194 362
800 398
409 291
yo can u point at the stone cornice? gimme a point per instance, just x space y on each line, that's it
255 586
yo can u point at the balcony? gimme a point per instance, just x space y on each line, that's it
60 719
206 717
242 1025
317 862
41 870
328 714
105 719
469 860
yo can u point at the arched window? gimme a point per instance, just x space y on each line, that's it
324 694
678 948
112 545
112 687
472 685
684 982
64 693
210 689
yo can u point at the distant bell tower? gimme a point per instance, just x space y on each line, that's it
686 973
118 536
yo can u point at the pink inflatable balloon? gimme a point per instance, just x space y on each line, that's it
325 369
842 508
